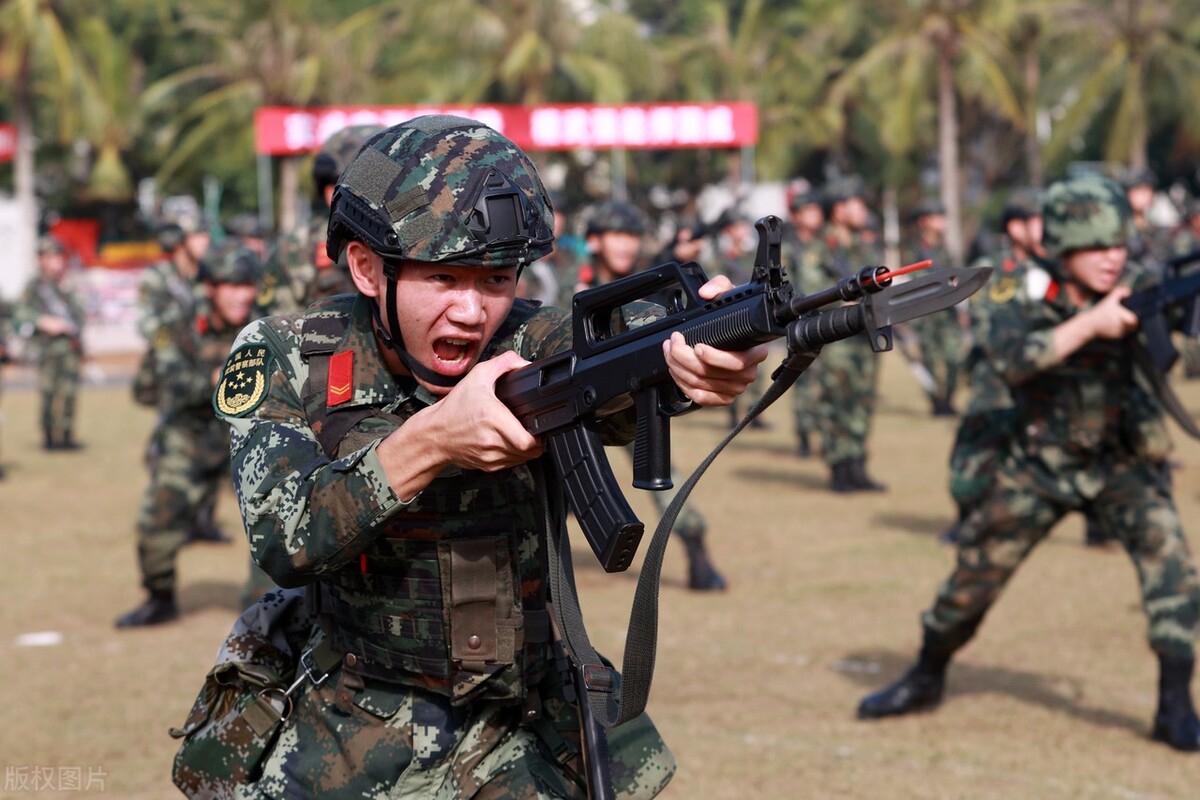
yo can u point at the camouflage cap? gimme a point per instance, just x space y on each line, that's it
808 197
232 263
49 244
843 189
618 216
170 236
246 226
928 207
443 189
1023 203
1085 213
1139 176
338 151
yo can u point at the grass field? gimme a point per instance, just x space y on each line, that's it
755 688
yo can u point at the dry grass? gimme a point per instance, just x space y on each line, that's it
755 688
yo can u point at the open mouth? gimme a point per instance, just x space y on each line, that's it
452 352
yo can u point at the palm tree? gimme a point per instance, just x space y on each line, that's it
929 50
1123 65
35 60
273 52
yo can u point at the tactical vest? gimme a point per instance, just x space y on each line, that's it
449 597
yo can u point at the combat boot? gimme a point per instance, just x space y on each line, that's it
839 478
702 575
1175 722
920 689
159 608
48 442
858 477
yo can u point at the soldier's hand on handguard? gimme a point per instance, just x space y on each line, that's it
1110 319
712 377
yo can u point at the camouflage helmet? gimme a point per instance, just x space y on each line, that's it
618 216
337 152
1084 213
1139 176
928 207
807 197
169 236
245 226
1024 203
443 189
843 189
47 244
232 263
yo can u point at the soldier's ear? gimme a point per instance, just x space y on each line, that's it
366 269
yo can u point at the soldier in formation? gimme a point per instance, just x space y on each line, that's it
1091 437
188 450
373 462
51 315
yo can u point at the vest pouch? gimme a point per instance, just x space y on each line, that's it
231 727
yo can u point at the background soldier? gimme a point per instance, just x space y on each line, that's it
614 241
50 313
1149 244
5 357
419 515
805 253
1186 242
849 368
189 449
300 272
940 335
1090 436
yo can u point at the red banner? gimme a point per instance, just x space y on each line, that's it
8 141
281 130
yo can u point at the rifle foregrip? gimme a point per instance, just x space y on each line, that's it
611 527
813 332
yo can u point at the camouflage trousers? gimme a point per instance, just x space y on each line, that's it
1134 505
188 462
846 402
690 526
941 343
979 446
406 744
58 383
806 395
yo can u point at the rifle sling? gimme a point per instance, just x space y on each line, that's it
1166 395
637 669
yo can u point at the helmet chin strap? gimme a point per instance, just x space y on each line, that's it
395 343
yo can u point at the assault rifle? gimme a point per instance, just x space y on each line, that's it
611 367
1172 294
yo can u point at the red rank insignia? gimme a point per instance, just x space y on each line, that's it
341 377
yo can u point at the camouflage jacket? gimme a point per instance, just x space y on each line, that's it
43 297
187 354
806 261
311 514
1075 414
166 298
299 272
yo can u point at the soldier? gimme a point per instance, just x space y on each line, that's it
300 272
614 240
990 413
50 314
806 255
1090 436
849 369
373 461
5 357
169 296
1149 244
940 335
189 449
1186 242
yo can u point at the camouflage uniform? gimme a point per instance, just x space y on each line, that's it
448 684
59 356
806 265
1090 437
188 452
385 575
940 337
847 378
1185 242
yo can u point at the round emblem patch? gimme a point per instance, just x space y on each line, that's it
243 384
1002 290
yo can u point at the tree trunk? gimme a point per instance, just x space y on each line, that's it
1033 147
22 252
948 156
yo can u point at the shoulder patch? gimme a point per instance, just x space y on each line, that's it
243 384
